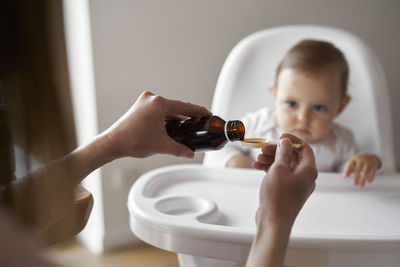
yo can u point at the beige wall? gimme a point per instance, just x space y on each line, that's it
176 49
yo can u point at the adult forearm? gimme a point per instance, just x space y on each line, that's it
89 157
269 246
43 197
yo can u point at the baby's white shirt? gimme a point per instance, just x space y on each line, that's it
331 153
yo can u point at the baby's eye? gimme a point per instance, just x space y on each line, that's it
291 104
320 108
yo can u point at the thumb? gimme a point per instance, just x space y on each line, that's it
177 149
284 152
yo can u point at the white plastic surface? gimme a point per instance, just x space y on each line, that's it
243 84
209 213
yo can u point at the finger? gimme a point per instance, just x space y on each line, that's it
188 109
284 152
371 175
262 158
356 174
177 149
260 166
362 180
170 117
306 161
349 168
294 139
269 149
365 174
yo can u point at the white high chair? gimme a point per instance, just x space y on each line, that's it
206 214
250 68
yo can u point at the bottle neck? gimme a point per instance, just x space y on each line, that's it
234 130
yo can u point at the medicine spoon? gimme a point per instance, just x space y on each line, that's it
259 142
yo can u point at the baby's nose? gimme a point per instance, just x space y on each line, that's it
304 115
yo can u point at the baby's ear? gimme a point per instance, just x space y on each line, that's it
272 90
344 103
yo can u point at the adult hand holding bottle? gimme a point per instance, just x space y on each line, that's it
139 133
289 181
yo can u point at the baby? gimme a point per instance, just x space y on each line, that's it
309 92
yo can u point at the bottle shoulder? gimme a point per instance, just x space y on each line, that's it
215 122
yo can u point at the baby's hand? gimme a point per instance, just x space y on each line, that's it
363 167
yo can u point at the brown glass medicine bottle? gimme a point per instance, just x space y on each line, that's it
205 133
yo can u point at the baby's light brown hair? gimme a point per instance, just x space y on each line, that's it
312 55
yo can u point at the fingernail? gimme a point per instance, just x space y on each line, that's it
188 154
284 142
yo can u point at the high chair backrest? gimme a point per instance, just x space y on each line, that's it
243 84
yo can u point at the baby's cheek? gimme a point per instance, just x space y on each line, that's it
323 127
286 126
285 122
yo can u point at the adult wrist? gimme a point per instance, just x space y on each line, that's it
269 245
266 220
90 156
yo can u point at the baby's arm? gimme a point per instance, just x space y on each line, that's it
363 167
239 161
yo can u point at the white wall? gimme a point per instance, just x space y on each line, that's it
176 49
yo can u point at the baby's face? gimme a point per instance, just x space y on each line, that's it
307 102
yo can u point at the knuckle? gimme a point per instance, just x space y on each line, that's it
146 94
357 168
158 100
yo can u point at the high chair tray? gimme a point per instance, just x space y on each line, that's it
196 210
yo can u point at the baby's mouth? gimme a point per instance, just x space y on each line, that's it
303 131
